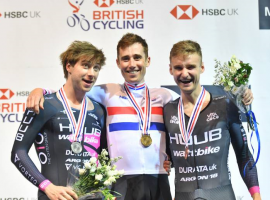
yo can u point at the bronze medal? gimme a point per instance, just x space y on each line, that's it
186 152
146 140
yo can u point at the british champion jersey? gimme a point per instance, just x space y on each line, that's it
123 128
51 133
205 173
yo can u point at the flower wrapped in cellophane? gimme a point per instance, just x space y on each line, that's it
95 179
233 76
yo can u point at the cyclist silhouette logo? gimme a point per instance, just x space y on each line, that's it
104 3
77 18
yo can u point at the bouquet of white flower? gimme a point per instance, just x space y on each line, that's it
233 76
96 177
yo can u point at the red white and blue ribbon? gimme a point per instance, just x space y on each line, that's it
144 117
186 133
77 127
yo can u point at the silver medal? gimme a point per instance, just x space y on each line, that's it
76 147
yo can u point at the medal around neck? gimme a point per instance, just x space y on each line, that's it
77 126
76 147
144 116
146 140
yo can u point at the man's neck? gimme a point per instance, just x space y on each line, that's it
74 96
190 99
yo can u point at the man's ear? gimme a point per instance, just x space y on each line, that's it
202 67
68 67
170 69
148 61
118 62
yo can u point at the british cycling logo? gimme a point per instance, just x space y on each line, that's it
105 19
6 94
78 19
184 12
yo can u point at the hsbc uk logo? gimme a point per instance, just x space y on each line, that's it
188 12
104 3
6 94
184 12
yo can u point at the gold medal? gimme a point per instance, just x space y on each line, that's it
146 140
186 152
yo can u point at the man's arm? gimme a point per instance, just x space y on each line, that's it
30 126
35 100
243 155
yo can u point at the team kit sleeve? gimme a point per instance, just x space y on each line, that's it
29 128
240 145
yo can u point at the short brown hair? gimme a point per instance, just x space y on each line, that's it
129 39
185 47
78 50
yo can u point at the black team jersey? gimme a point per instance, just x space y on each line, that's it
51 133
205 174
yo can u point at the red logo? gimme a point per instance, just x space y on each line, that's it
5 94
104 3
184 12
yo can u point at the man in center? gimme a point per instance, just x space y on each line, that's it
135 127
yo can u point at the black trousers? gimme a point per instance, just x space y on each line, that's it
143 187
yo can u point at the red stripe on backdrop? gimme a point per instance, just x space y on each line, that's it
131 111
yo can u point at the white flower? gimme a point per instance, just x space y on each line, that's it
93 169
227 88
104 152
98 177
237 65
230 83
87 165
81 171
110 173
112 179
108 168
93 160
107 182
233 69
120 172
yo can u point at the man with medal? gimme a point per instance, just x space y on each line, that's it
200 138
135 125
135 128
69 130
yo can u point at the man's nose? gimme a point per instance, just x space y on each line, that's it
131 62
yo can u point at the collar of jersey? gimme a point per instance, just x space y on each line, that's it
132 86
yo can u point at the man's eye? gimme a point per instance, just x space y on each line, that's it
96 68
137 57
85 66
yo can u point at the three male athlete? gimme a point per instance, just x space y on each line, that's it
134 112
200 128
70 130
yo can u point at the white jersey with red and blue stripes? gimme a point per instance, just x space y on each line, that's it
123 128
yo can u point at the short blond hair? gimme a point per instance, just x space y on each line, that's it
185 47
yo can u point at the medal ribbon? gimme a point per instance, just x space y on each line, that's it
77 127
144 117
186 133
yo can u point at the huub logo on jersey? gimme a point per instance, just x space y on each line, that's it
174 120
208 136
212 116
